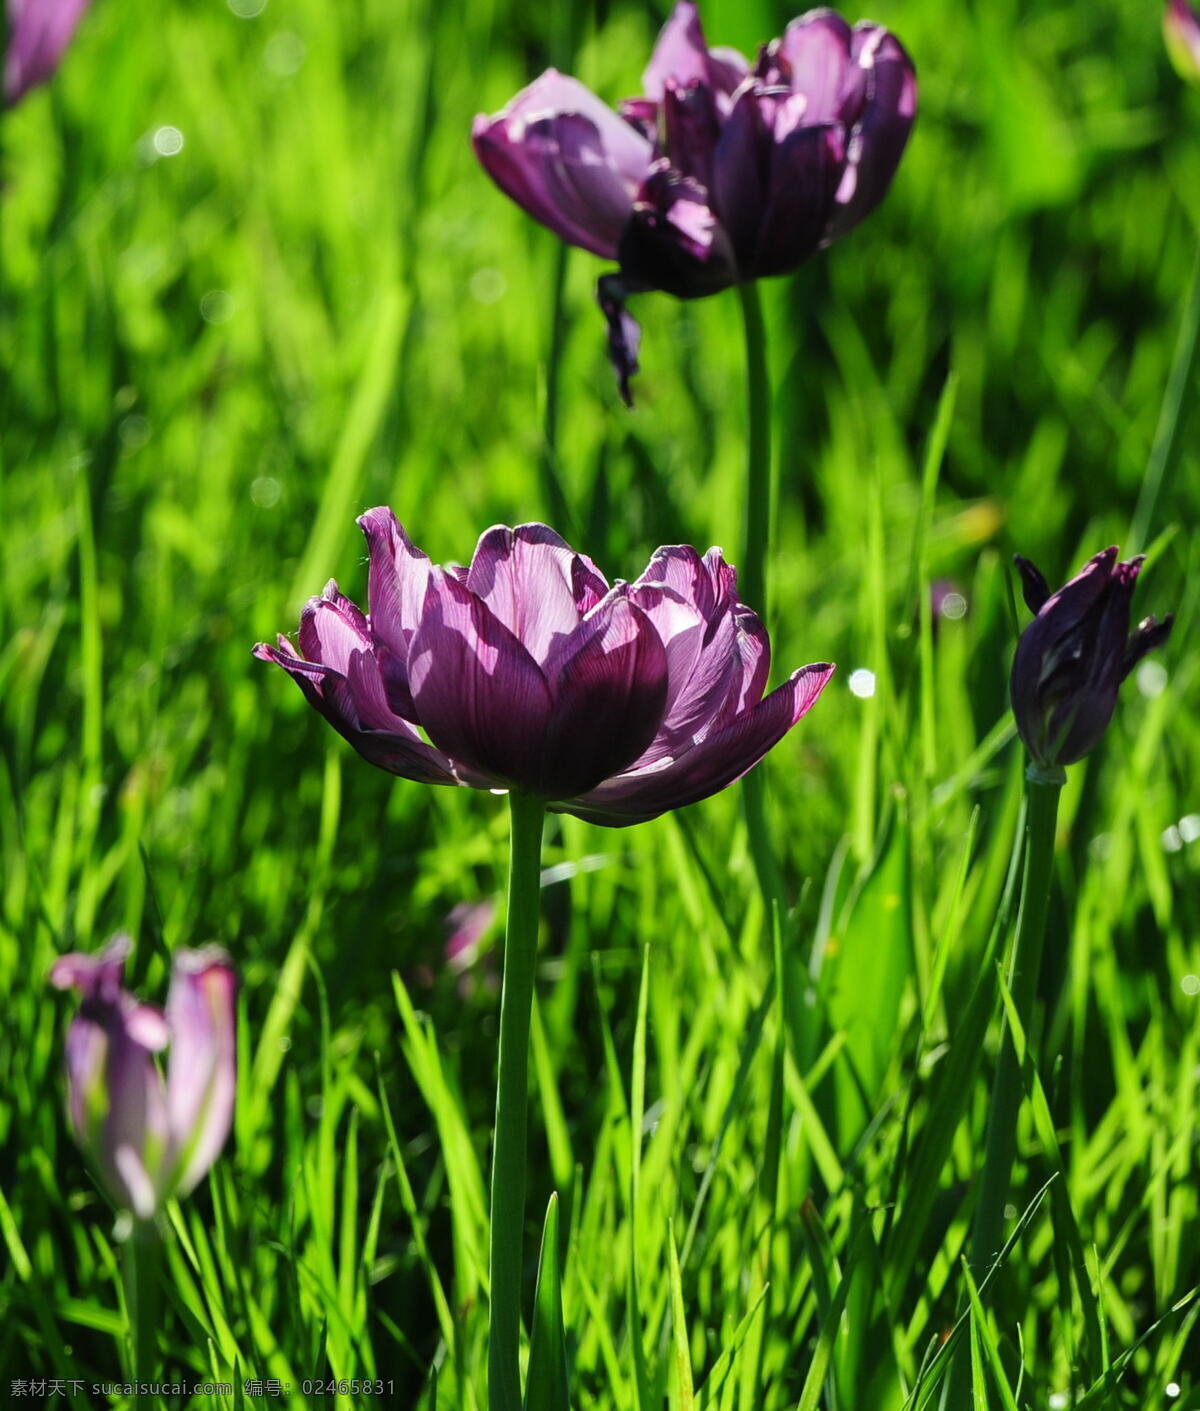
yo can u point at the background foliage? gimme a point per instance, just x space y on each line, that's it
254 283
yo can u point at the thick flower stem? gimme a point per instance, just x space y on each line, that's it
508 1150
752 568
756 526
141 1258
1044 786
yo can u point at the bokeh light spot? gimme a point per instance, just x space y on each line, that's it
1151 679
265 491
862 683
167 141
217 306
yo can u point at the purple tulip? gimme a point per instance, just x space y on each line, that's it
1074 654
1181 31
723 172
38 33
527 671
148 1139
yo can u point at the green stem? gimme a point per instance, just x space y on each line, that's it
549 466
512 1085
752 566
141 1258
987 1235
756 527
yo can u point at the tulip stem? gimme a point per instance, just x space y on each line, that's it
756 528
512 1086
1044 786
752 567
140 1262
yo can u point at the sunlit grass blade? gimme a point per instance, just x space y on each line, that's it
546 1377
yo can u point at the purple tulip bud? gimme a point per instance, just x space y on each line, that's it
1181 31
148 1139
528 671
723 172
1074 654
38 33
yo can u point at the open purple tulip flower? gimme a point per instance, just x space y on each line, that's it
38 34
147 1138
1074 655
528 672
723 172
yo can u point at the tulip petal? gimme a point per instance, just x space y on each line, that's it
1149 634
567 159
805 171
673 240
624 332
717 761
534 583
812 57
703 669
396 582
692 128
38 33
1067 665
398 749
1034 587
880 133
480 696
202 1067
682 56
741 170
609 684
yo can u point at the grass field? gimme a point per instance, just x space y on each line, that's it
254 282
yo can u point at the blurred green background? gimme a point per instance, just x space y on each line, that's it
252 283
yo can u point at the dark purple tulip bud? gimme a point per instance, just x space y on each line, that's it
527 671
1074 654
722 172
147 1139
1181 30
38 33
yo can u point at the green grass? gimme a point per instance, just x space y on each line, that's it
213 360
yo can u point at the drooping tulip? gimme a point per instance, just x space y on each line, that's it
723 172
1181 31
527 671
1074 655
38 34
148 1138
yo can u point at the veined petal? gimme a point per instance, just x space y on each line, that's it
202 1067
692 128
682 55
717 761
533 582
805 173
624 332
708 583
398 748
479 694
879 132
396 582
609 686
741 170
812 57
703 668
673 241
567 159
